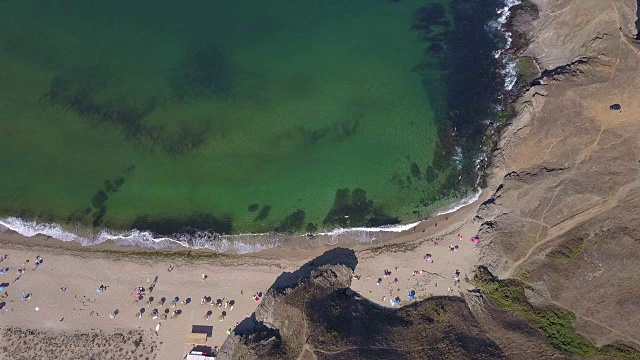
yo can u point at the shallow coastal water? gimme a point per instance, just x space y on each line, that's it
242 117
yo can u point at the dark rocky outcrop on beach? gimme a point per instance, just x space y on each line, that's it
319 317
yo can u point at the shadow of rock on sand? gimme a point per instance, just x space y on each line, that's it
337 256
313 314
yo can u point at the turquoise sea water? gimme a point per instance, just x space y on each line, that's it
241 117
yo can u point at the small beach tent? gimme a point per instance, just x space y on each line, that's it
196 339
615 107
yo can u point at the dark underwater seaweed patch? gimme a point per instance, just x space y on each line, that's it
311 228
353 208
462 47
203 72
78 89
99 215
186 225
99 200
188 137
264 212
338 131
253 208
415 171
430 175
428 16
291 223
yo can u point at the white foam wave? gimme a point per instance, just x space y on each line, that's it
509 68
389 228
145 239
462 203
466 201
509 72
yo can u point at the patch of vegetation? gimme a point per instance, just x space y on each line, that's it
555 323
619 351
567 250
506 114
527 71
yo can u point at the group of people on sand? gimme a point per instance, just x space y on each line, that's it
26 296
429 258
22 270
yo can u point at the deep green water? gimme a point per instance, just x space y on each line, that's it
239 116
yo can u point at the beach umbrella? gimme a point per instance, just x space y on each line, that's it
615 107
26 297
412 294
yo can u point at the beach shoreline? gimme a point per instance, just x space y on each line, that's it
79 269
346 237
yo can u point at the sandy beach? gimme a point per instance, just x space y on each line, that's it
66 308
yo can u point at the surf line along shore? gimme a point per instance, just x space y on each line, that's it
239 244
192 276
